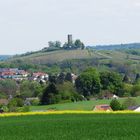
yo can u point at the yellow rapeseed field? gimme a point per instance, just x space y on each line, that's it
65 112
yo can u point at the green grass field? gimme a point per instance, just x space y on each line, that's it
84 105
71 127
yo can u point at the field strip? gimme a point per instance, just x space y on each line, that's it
103 55
65 112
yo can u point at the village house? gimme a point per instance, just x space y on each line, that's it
74 77
40 76
13 73
134 108
115 97
23 73
6 73
102 108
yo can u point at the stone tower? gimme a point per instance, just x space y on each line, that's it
70 40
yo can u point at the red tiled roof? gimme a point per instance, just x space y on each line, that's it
39 74
7 73
102 107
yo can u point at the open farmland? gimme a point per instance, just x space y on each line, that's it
62 55
71 127
58 56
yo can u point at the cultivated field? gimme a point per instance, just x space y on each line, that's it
71 127
62 55
57 56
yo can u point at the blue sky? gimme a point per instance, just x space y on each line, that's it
27 25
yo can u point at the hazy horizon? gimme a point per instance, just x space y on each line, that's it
28 25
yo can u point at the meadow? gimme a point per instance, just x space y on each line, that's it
98 126
82 105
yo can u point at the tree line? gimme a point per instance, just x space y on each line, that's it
62 88
57 45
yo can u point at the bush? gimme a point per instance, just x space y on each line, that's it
5 109
2 95
64 101
35 102
57 98
126 94
23 109
136 90
14 103
115 105
20 102
127 89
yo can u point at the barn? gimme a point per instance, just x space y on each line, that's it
104 107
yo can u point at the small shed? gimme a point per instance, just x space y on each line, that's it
115 97
102 108
134 108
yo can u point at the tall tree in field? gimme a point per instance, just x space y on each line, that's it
126 79
49 95
137 79
52 79
54 44
112 81
61 78
57 44
88 83
68 77
115 105
51 44
79 44
8 87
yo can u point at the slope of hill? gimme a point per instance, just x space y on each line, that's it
4 57
116 47
99 52
120 60
57 56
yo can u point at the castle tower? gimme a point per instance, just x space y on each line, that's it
70 41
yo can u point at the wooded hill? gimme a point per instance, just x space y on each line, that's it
124 60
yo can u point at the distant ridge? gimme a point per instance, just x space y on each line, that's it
116 46
4 57
97 47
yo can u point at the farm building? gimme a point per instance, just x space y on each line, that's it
115 97
134 108
102 108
